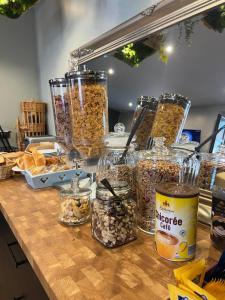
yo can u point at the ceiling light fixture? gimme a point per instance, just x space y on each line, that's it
169 49
130 104
110 71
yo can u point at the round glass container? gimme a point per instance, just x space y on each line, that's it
144 130
218 212
60 102
74 204
114 222
210 165
110 165
88 110
170 117
153 167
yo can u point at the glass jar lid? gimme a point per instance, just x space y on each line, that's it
121 189
118 138
76 190
218 156
148 101
175 99
86 74
58 82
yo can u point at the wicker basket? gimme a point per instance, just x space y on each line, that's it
33 117
6 171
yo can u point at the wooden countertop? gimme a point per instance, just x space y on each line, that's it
72 265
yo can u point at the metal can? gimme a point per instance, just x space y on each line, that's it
176 221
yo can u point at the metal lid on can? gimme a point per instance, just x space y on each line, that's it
177 190
58 82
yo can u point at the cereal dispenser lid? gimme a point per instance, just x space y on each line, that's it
58 82
175 98
118 138
86 74
148 101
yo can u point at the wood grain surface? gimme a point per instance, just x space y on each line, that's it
70 264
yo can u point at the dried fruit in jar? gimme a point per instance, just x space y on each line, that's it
168 120
114 224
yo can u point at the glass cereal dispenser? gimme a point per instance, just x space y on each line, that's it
88 110
144 130
170 117
60 102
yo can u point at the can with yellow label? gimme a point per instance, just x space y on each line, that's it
176 221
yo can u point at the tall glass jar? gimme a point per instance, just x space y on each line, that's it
144 131
60 102
110 165
210 165
170 117
153 167
88 110
114 222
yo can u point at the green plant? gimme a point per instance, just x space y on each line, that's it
15 8
215 19
134 53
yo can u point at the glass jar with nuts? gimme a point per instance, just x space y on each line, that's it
170 117
113 220
154 167
110 165
88 111
74 204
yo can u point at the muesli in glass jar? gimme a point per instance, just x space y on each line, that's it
210 165
144 130
114 221
60 102
154 167
170 117
74 204
88 110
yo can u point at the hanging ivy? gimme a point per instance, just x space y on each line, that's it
215 19
15 8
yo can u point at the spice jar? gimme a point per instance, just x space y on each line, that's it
110 165
218 212
144 130
210 165
154 167
75 204
170 117
60 102
88 110
114 222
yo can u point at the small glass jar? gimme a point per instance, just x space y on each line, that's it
218 212
210 165
89 111
144 130
110 165
74 204
113 222
170 117
60 102
153 167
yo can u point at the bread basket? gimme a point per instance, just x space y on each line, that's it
6 170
